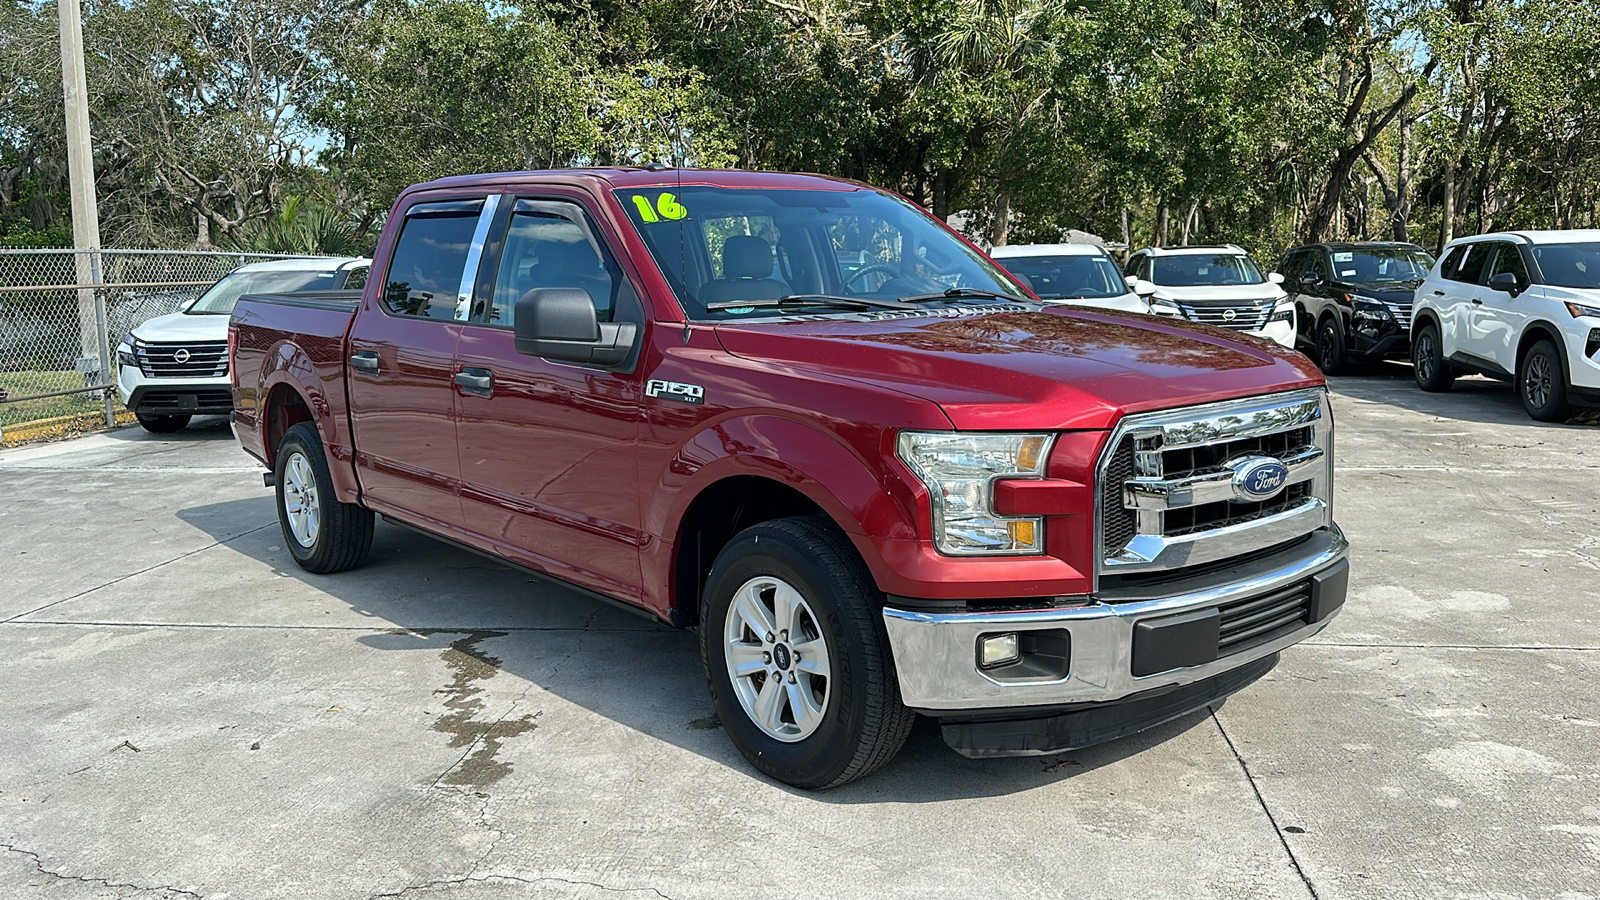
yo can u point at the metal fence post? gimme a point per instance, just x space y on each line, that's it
104 333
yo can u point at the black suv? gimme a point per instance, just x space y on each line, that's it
1354 299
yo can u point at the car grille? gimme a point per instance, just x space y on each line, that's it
1254 621
1401 310
206 400
1167 497
1243 316
198 359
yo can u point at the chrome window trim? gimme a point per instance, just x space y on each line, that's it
469 272
1176 429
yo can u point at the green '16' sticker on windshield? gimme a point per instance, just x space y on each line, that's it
666 207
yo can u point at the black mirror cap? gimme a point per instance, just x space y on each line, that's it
561 324
1308 278
1506 282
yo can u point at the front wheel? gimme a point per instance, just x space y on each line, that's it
1427 360
1543 385
323 535
1330 349
796 657
162 424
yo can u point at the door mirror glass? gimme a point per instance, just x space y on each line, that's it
1275 277
1505 282
561 324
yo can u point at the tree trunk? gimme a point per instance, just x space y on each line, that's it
1402 180
1161 224
202 237
1127 233
1001 225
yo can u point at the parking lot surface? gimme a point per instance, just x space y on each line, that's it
187 713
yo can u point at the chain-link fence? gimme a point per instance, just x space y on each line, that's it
63 313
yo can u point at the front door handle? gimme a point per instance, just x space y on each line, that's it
1438 293
365 360
1476 302
478 382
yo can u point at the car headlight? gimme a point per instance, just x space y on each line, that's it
1164 307
125 354
1283 312
1580 310
959 471
1368 309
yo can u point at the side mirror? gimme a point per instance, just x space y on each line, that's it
561 324
1308 278
1144 288
1275 277
1506 283
1133 282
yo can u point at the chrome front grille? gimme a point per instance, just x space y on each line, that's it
1169 496
1242 316
1401 310
197 359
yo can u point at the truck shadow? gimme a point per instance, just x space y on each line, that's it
485 619
201 429
1473 398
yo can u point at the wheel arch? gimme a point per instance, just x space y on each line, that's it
293 392
1536 331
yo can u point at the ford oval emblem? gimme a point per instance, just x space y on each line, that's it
1258 478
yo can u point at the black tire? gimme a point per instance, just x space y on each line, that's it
343 534
162 424
1427 360
1331 357
1542 383
862 723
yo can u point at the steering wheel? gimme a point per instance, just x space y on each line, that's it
874 267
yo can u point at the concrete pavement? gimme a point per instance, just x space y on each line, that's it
186 713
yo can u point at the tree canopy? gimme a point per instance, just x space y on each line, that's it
265 122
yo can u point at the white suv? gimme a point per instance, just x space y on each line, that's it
1214 285
1075 274
1519 306
175 367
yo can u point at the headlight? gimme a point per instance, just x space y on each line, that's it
1164 307
1579 310
1368 309
959 471
1284 312
125 355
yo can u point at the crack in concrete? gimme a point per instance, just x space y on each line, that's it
516 879
1262 802
368 629
87 879
1475 648
181 556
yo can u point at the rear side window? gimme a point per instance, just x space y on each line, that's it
1467 266
356 278
424 277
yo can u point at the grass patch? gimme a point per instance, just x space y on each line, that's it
22 384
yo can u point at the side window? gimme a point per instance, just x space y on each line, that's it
871 253
548 245
1132 266
424 277
1291 265
1508 259
1468 266
1318 265
355 279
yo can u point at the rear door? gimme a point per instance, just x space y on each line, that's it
401 367
1457 293
549 450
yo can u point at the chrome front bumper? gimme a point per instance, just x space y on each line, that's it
935 654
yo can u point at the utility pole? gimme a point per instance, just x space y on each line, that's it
94 359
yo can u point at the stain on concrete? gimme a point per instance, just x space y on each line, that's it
463 700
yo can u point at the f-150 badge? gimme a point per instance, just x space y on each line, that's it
675 390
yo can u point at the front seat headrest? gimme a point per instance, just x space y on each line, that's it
746 256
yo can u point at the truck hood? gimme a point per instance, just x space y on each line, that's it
1057 369
181 327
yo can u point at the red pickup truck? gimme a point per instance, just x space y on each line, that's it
808 420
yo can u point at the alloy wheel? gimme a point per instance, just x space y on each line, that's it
300 500
777 658
1537 381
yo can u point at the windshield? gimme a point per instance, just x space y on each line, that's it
1068 277
720 246
1569 265
220 298
1201 269
1381 264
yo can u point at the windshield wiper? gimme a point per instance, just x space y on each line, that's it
818 300
957 293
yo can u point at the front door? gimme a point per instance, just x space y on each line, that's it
549 449
401 367
1499 319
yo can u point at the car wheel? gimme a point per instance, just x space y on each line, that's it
322 534
1330 349
796 657
1542 384
1427 360
162 424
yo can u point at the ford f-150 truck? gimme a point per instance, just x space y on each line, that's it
805 418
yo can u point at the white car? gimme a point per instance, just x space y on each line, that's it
1076 274
1520 306
1218 285
175 367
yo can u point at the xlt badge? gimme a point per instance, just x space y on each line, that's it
675 390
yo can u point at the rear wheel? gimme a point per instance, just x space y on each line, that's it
1427 360
1542 384
162 424
799 667
1330 349
323 535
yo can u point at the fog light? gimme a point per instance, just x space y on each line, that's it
998 650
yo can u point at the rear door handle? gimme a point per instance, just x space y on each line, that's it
478 382
365 360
